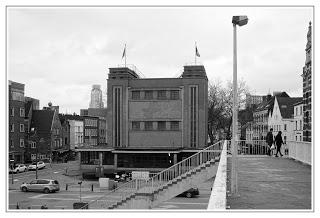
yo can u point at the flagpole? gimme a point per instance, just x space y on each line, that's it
195 53
125 55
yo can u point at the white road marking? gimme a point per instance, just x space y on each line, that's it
38 196
57 172
170 202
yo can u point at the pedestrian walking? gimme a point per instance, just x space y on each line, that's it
278 141
269 140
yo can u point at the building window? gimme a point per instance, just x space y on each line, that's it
296 125
162 94
21 127
21 112
285 127
12 128
135 95
33 156
11 143
285 139
148 95
135 125
117 104
300 139
32 145
174 94
12 112
21 143
300 127
174 125
301 110
148 125
161 125
296 138
296 111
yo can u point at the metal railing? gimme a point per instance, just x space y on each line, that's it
159 180
250 147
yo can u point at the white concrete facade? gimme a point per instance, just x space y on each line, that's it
278 123
76 134
298 122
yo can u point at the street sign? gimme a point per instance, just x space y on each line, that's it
140 175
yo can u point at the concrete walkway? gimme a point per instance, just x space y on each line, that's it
270 183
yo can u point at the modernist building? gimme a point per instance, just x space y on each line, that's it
96 97
17 124
307 89
151 123
298 121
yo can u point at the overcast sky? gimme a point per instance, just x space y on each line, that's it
59 53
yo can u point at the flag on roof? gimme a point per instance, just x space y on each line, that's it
197 52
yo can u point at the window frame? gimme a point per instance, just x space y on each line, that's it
136 95
136 125
163 126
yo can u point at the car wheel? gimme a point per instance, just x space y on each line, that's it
46 190
24 189
189 195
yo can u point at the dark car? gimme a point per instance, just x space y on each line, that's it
189 193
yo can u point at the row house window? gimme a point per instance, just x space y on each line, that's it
12 111
148 95
32 144
22 112
91 122
12 127
21 143
11 143
21 127
33 156
161 125
135 95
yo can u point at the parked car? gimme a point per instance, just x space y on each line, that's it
40 165
189 193
43 185
18 168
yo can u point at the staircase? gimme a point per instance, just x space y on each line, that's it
146 194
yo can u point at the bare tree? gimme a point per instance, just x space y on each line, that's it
220 103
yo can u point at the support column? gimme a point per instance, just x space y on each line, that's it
115 160
175 159
100 159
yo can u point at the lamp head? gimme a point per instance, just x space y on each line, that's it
240 20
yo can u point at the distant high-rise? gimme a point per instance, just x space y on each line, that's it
96 97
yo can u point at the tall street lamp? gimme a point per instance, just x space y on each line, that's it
240 21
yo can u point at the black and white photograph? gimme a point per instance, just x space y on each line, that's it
167 108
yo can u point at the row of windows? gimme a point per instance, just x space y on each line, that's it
90 141
159 94
159 125
91 122
90 132
22 112
300 138
12 127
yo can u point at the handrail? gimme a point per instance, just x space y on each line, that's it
163 177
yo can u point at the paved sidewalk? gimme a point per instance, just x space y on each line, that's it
267 183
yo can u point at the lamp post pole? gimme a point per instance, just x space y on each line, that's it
234 176
240 21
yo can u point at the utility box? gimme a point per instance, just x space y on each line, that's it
106 183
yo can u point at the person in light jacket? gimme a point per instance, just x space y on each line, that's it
278 141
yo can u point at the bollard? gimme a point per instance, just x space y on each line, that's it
66 187
92 187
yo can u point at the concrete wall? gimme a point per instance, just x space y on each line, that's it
300 151
149 139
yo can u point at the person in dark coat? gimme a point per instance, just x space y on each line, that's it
269 140
278 141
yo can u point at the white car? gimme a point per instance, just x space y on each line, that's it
18 169
40 166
